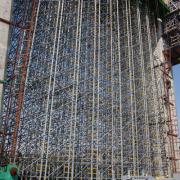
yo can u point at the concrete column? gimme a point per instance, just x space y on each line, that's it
5 13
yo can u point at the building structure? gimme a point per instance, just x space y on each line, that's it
89 92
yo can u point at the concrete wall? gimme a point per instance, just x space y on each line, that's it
5 13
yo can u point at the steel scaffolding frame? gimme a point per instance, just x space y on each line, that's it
93 91
18 57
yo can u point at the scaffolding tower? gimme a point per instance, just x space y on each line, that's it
171 34
86 91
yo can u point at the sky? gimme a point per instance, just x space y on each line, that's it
176 73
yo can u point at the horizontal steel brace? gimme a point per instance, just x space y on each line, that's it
13 24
